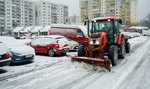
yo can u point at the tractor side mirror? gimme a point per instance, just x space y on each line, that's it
120 21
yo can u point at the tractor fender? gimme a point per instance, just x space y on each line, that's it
120 36
103 40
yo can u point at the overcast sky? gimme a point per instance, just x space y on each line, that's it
144 7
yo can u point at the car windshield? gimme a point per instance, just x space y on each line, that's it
102 26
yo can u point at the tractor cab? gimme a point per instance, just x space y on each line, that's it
109 25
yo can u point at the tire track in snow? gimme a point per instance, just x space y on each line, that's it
144 74
123 61
31 76
31 70
74 82
86 82
129 77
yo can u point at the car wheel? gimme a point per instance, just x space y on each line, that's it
113 54
51 53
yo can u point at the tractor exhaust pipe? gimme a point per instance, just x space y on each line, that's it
87 21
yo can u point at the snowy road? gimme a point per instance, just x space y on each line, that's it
61 74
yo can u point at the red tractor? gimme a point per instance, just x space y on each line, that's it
104 45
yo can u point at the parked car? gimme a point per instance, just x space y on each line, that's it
4 55
73 45
22 54
52 45
19 52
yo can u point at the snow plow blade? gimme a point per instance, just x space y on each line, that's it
106 63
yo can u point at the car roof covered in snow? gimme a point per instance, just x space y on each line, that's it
50 36
83 28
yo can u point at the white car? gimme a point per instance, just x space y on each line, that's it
73 45
19 51
4 55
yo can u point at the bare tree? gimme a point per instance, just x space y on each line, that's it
146 21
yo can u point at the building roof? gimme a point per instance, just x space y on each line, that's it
36 29
45 29
17 29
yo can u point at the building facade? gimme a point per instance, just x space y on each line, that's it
23 13
2 15
124 9
16 13
48 12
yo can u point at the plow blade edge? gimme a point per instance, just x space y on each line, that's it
106 63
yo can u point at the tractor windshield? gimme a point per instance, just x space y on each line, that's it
102 26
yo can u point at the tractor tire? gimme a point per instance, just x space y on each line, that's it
122 50
51 52
113 54
81 51
127 48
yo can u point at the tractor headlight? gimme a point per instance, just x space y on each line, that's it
91 42
97 42
94 42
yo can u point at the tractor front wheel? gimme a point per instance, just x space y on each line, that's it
81 50
113 54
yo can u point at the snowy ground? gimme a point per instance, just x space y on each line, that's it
59 73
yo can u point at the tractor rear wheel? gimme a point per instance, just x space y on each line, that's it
81 50
113 54
122 50
127 48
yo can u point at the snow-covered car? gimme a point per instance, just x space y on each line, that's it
4 55
19 51
73 45
52 45
131 34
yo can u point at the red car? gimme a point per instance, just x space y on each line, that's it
51 45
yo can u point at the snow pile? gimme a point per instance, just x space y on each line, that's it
89 67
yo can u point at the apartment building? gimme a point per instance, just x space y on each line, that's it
23 13
49 12
2 15
8 14
124 9
134 12
16 13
